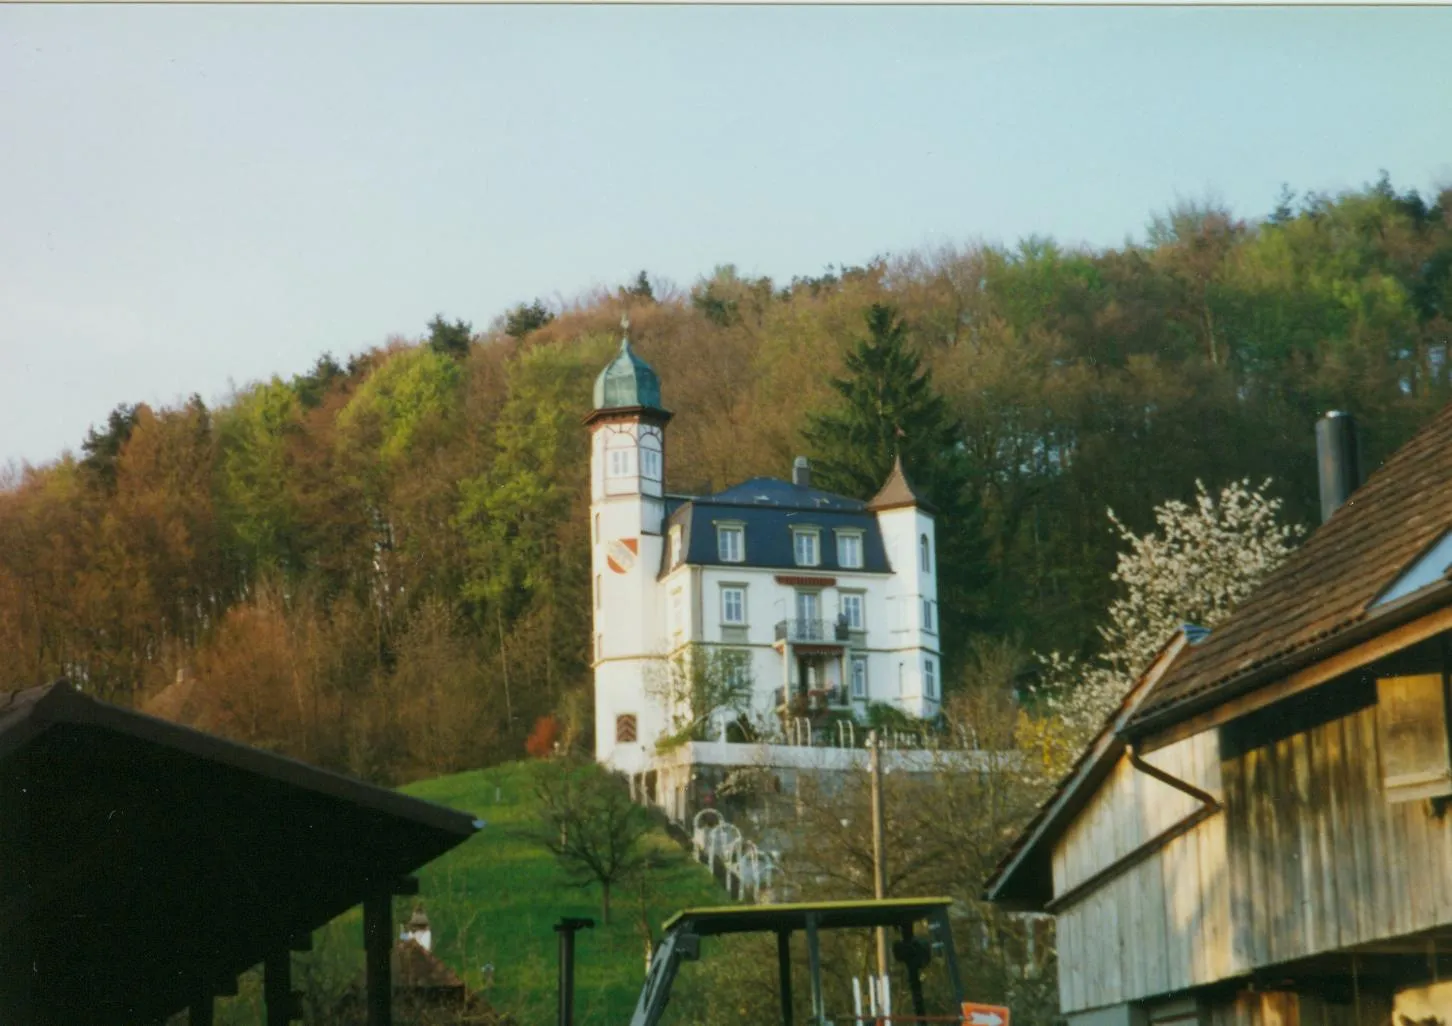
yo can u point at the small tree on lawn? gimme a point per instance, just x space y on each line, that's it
591 825
1202 560
700 687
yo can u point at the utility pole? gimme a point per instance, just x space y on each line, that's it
879 864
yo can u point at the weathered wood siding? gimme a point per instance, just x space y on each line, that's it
1319 859
1307 857
1278 1008
1164 924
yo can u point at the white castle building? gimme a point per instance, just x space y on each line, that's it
823 603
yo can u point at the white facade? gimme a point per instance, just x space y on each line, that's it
816 640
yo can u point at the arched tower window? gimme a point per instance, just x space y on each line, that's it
925 554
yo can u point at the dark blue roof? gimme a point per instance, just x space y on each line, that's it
769 509
769 491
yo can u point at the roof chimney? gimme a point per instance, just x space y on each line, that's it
1336 460
801 472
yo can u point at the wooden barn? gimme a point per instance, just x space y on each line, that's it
1261 835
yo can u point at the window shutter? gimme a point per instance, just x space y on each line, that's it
1411 719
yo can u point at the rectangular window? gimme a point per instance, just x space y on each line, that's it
736 669
731 544
597 527
849 550
804 545
852 611
1412 727
927 614
733 606
650 463
930 678
622 462
859 676
807 606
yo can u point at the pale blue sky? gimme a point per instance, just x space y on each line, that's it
196 195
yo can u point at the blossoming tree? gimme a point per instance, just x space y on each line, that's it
1202 559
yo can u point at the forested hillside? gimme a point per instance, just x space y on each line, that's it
383 566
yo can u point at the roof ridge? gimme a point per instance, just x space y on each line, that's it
1327 584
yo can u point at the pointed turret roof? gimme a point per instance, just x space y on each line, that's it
897 491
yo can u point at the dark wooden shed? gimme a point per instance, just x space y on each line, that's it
144 865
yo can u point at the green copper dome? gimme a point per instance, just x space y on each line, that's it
627 382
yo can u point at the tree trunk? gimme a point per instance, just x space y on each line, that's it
504 663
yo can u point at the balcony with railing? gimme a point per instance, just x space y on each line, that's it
801 702
813 632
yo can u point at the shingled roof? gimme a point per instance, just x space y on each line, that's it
1324 595
897 491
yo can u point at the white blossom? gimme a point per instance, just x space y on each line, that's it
1200 562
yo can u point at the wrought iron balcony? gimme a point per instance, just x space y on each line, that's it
800 701
812 632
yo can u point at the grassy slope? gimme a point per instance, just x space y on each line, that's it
495 899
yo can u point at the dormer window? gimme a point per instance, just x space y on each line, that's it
806 546
675 552
731 543
925 554
849 550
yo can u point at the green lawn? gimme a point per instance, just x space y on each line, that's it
494 900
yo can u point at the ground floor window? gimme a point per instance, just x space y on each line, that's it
859 676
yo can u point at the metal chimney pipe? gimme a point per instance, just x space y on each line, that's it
1336 460
801 472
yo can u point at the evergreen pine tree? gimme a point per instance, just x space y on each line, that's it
887 407
450 339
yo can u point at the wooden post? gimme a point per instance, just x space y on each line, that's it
784 969
915 976
950 955
377 949
200 1012
277 987
879 868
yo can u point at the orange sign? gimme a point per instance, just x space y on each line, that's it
620 554
984 1015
